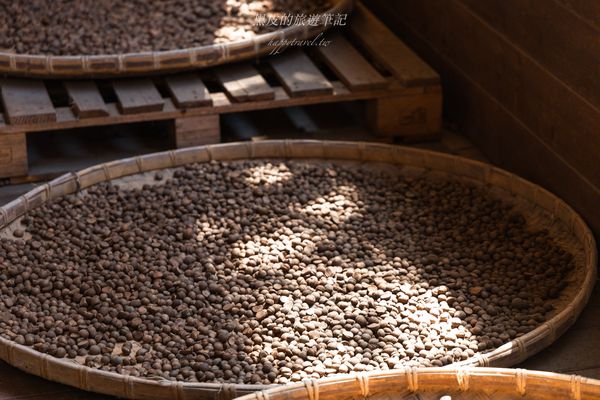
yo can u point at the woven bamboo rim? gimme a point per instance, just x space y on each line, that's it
152 62
431 383
71 373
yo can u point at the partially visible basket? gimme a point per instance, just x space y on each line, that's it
435 383
144 63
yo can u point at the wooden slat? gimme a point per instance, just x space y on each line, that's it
350 66
299 75
137 96
244 83
188 91
388 49
85 99
26 101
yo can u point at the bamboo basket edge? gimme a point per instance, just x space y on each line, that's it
156 62
95 380
485 381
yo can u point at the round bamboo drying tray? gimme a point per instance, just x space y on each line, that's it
547 209
434 383
146 63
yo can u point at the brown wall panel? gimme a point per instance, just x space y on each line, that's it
562 119
588 10
556 39
490 99
511 144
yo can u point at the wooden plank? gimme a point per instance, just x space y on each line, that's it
85 99
137 96
560 118
197 131
350 66
243 82
188 91
388 49
299 75
554 39
13 155
26 101
67 119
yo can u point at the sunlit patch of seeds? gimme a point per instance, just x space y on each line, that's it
270 272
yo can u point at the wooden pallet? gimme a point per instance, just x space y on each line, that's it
364 62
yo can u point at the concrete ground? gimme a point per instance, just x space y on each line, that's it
576 352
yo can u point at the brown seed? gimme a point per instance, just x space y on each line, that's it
475 290
136 322
29 339
94 350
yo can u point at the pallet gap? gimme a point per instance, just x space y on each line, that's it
265 69
367 55
61 151
106 91
211 82
322 66
333 121
268 73
57 93
1 106
161 86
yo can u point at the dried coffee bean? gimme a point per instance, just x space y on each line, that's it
29 339
136 322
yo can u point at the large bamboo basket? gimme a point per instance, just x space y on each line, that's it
145 63
556 214
434 383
